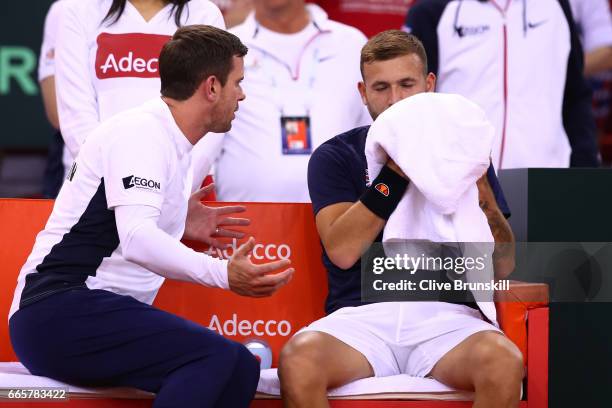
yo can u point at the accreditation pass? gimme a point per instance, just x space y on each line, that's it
34 393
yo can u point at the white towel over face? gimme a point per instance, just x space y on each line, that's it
443 143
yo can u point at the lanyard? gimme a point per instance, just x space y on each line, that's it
299 89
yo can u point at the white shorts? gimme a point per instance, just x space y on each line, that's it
403 337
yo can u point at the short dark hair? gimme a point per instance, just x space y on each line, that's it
194 53
391 44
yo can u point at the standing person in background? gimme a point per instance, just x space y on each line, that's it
107 57
522 62
54 171
594 23
301 77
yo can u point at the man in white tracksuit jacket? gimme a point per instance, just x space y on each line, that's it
521 61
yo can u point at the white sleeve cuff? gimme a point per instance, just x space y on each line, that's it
214 272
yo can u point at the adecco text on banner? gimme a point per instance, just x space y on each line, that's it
270 252
234 327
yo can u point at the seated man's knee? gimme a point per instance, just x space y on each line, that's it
227 356
236 364
300 362
499 365
247 365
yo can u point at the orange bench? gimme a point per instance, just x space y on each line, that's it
281 230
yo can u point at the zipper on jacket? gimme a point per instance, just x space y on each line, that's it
503 141
505 78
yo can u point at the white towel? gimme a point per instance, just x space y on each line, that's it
442 142
400 386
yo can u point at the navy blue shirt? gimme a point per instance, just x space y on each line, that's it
337 173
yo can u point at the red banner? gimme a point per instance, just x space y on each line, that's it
280 231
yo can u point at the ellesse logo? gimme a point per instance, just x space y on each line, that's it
382 189
129 55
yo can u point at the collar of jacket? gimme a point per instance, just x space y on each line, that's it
317 16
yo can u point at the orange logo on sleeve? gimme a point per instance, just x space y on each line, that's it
382 189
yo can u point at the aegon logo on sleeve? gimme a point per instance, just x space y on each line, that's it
139 182
129 55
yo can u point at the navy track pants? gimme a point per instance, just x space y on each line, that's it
98 338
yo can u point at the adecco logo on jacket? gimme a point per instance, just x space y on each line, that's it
129 55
